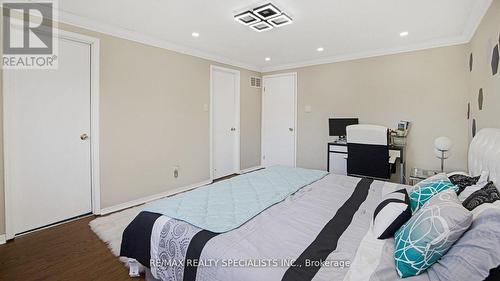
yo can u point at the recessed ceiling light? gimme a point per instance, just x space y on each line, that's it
404 34
267 59
320 49
195 34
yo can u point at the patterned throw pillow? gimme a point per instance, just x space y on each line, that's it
463 181
470 189
430 233
487 194
424 190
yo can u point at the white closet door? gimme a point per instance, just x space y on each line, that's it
225 126
278 120
47 116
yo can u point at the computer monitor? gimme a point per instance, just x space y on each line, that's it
338 126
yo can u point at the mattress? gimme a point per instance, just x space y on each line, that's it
314 234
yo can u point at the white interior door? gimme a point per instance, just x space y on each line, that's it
225 121
278 120
47 153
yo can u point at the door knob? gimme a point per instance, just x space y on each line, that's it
290 129
84 136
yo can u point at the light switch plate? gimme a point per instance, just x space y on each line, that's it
308 109
205 107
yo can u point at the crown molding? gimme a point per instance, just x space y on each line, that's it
471 26
97 26
475 18
363 55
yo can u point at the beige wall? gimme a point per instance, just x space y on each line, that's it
152 115
486 38
152 118
428 88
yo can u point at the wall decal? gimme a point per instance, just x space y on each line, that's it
489 47
468 111
473 127
480 99
494 60
471 62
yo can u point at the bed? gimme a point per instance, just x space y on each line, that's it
322 231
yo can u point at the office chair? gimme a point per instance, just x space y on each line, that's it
368 151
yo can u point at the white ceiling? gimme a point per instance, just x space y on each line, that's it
346 29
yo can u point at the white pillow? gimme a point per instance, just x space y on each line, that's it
484 177
391 214
483 207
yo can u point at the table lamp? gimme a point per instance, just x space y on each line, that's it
443 146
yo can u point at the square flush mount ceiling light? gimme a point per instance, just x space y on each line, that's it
264 18
267 11
280 20
247 18
261 26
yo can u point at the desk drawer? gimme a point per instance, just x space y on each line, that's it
338 148
337 162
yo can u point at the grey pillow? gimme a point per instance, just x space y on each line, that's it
430 233
475 254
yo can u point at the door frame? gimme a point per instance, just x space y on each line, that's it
237 119
94 131
294 75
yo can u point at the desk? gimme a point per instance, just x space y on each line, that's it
337 158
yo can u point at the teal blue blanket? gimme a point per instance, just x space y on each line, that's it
226 205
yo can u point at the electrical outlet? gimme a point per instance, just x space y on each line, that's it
176 171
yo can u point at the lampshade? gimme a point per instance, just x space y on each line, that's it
442 143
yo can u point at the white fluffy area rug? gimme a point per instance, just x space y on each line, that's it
110 228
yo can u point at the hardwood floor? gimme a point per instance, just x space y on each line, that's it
70 251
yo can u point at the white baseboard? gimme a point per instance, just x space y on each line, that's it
2 239
143 200
250 169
